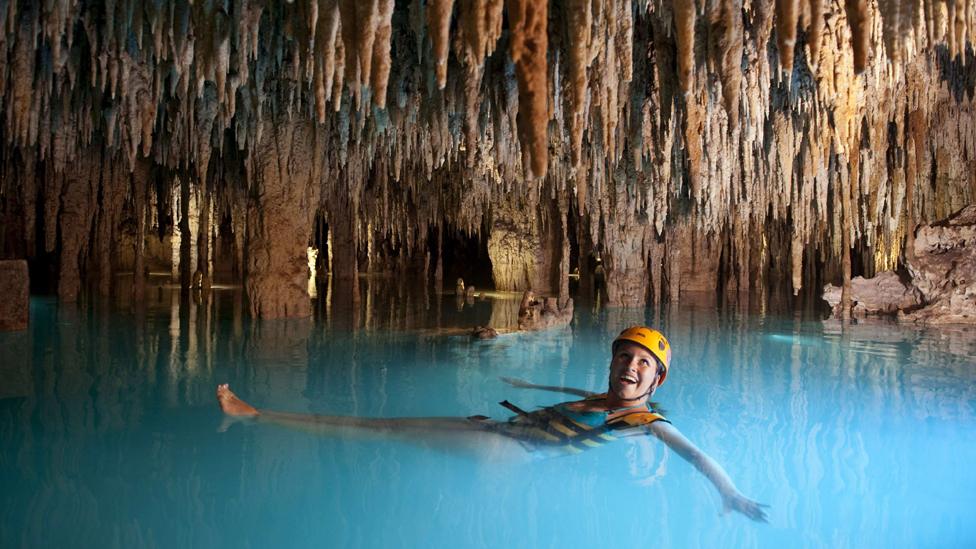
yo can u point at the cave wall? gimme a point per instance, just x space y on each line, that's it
694 144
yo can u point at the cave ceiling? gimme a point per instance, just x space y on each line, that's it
685 142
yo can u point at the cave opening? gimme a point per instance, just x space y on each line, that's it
464 256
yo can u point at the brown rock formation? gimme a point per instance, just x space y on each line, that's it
885 293
286 172
526 248
535 315
15 289
941 263
659 136
78 195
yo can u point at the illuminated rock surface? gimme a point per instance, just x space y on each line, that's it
741 149
885 293
941 264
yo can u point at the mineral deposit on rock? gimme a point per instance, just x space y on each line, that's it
732 148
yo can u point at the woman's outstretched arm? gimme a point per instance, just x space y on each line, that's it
732 499
522 384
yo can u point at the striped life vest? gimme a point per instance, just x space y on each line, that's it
552 427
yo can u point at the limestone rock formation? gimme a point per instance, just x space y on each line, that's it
536 315
280 213
15 289
733 148
885 293
484 332
941 264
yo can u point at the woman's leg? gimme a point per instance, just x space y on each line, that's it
453 433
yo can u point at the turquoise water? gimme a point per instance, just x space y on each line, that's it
856 436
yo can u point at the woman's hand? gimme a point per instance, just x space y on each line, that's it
752 509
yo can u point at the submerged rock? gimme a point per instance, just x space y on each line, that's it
535 315
484 332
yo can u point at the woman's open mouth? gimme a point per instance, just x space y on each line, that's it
628 379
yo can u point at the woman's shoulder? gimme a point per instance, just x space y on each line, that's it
590 403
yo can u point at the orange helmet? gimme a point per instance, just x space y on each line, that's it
650 339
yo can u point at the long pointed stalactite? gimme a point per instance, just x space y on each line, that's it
736 148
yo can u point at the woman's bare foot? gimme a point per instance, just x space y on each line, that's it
233 406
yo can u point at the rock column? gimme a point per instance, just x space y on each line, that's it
526 246
75 220
343 220
140 177
628 238
285 168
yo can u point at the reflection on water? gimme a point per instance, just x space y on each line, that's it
108 428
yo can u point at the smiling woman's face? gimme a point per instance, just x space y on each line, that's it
633 372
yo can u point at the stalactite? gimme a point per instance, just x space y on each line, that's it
684 23
439 26
815 37
529 46
481 26
857 15
787 14
188 89
728 22
381 53
891 29
578 22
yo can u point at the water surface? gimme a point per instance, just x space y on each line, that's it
856 436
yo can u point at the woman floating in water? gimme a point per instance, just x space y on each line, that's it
639 365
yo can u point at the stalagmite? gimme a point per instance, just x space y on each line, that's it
345 250
15 285
525 250
112 182
186 268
